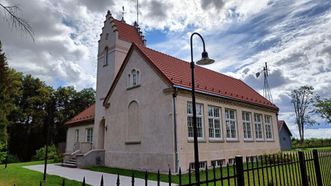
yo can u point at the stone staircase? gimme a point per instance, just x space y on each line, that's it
71 162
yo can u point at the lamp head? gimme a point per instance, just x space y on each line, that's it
205 60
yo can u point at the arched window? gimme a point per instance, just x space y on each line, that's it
134 78
133 127
106 57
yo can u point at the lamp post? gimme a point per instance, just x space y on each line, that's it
203 61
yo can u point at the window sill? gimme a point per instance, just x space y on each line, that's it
215 140
105 65
132 142
132 87
200 140
232 140
248 140
270 140
259 140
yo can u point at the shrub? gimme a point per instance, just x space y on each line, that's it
52 154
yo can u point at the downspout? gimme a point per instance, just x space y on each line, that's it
174 95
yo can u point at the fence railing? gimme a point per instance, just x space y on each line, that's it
284 169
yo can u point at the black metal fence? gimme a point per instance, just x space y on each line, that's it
284 169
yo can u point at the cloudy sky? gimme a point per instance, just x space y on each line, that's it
293 36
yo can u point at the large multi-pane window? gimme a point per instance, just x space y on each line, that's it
258 126
199 122
214 122
246 117
89 134
230 122
268 127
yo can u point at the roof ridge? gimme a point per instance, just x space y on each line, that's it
258 98
197 66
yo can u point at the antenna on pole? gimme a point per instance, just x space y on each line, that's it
266 87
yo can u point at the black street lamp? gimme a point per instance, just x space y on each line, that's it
203 61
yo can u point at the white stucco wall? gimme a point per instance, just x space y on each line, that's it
71 135
154 149
224 149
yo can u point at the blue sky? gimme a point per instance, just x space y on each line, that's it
293 36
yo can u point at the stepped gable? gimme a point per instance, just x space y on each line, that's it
128 32
178 72
86 115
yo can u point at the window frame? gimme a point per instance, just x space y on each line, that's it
76 135
227 120
202 165
265 127
133 78
198 115
89 136
218 163
257 138
106 60
215 118
244 124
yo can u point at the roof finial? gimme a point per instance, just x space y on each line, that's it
123 12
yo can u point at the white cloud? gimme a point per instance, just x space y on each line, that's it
292 36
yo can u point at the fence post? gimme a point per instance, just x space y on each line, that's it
101 181
240 171
303 169
317 168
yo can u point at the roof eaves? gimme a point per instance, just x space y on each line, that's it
226 97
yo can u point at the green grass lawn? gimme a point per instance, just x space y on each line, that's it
280 174
16 174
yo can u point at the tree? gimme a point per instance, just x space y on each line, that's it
323 106
69 102
8 92
11 15
302 98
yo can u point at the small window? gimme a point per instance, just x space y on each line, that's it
202 165
107 35
218 163
231 161
106 57
77 135
251 158
134 78
89 135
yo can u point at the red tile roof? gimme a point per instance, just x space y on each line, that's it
178 72
128 32
86 115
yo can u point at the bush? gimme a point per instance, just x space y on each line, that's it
52 154
12 158
311 143
3 153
